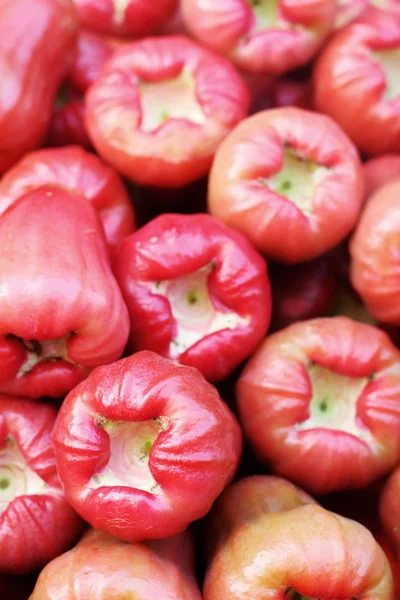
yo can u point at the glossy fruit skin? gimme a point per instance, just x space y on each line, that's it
229 28
247 500
34 529
389 510
380 170
192 460
374 254
172 246
92 51
307 549
67 126
63 249
38 38
275 392
160 569
81 172
350 85
130 17
302 291
179 150
254 151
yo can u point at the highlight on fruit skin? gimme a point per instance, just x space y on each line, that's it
36 521
261 36
290 180
319 404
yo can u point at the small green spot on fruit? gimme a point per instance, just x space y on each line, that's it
4 483
191 298
164 117
147 447
286 186
323 406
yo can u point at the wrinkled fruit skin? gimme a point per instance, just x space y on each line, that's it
125 17
170 253
35 526
61 311
192 458
38 38
159 569
319 402
374 254
140 129
276 44
81 172
308 550
311 216
352 86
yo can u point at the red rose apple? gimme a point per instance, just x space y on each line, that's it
284 546
261 36
380 170
105 568
36 522
319 402
356 83
144 447
61 311
161 106
290 180
196 291
375 255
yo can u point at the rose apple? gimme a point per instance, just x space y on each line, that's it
61 311
261 36
290 180
92 52
319 401
197 292
37 41
389 510
161 106
175 25
302 291
144 447
36 521
125 17
306 552
105 568
356 83
375 256
81 172
380 170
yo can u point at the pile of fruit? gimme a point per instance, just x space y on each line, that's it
200 299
